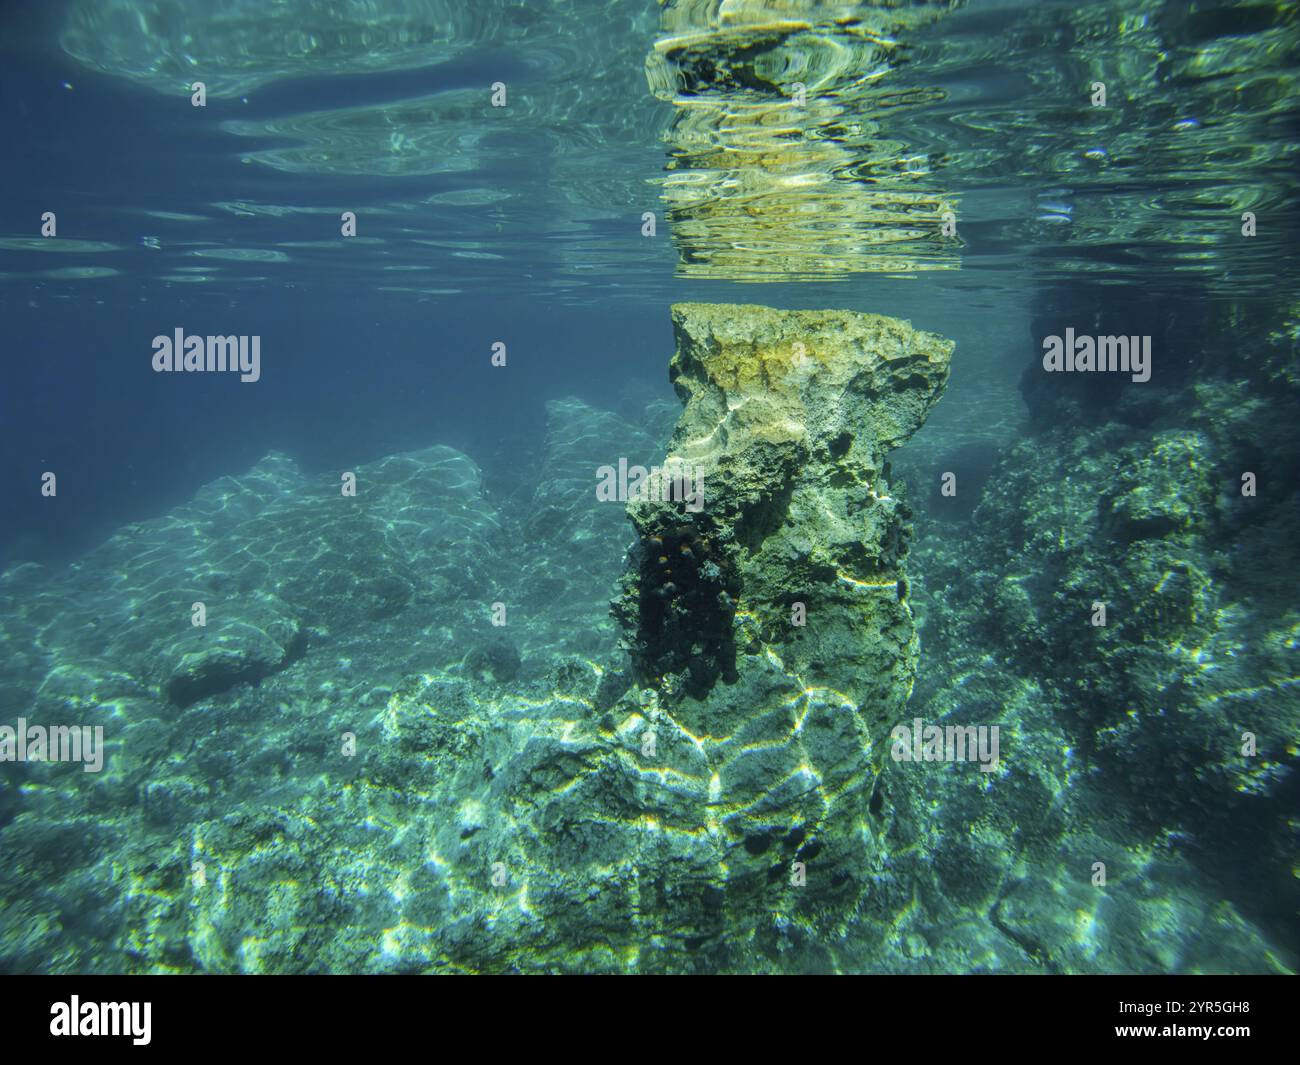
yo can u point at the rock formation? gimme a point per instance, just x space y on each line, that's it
769 628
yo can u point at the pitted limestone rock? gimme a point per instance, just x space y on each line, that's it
788 419
771 625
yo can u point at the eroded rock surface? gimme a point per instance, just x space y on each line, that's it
768 622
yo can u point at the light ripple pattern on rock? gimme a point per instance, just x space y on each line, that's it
770 632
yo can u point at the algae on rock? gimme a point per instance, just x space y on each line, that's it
789 416
769 629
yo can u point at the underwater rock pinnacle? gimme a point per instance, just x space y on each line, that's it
770 625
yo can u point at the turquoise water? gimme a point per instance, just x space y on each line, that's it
978 653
